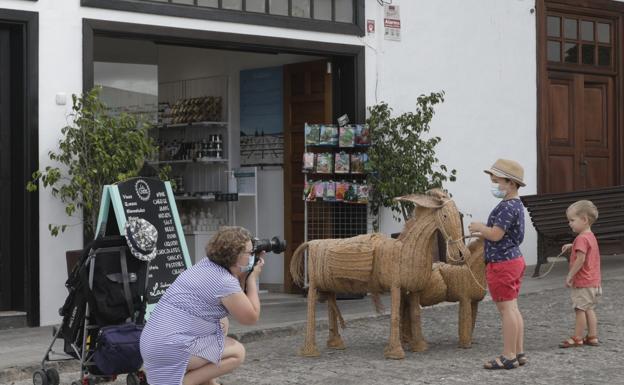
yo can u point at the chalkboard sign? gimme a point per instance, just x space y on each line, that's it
152 200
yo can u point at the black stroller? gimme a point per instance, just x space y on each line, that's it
107 289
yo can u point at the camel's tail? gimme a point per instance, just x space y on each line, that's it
296 264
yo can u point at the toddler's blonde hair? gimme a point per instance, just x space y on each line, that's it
584 207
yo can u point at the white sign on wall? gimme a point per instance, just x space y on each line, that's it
392 22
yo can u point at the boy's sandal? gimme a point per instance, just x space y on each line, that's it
572 342
591 341
522 359
501 363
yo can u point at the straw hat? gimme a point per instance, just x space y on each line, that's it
141 237
509 169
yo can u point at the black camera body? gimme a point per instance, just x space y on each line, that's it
274 245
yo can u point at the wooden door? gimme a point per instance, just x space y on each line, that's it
5 172
307 98
578 144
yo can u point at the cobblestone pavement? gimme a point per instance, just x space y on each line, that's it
548 318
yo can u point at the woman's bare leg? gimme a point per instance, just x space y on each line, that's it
201 371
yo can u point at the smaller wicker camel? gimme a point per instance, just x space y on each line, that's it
463 283
376 263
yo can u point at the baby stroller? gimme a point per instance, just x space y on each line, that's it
103 314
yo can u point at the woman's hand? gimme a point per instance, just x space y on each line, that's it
258 267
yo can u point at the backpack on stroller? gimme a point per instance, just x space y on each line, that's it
102 315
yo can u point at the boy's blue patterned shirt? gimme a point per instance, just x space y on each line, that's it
509 216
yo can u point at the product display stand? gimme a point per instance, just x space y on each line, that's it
335 173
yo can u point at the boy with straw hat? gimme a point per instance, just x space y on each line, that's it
503 234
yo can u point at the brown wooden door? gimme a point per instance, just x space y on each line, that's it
307 98
578 143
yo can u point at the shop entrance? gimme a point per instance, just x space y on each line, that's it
263 90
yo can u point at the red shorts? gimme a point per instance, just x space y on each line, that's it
504 278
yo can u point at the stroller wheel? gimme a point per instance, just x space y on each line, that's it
40 377
133 379
142 378
53 376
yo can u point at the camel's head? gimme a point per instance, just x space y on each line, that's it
443 209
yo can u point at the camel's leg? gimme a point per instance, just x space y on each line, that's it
474 305
418 340
394 350
309 344
465 324
334 341
406 324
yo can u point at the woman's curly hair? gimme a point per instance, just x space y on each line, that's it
227 244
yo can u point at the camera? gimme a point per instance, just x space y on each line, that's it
274 245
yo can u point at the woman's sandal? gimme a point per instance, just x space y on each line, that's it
572 342
505 363
591 341
522 359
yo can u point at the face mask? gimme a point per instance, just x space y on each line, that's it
249 266
497 192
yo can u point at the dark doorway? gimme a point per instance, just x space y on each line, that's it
5 170
19 224
343 91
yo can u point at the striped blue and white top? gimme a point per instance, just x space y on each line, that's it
185 322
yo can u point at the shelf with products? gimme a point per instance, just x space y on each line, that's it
189 124
193 137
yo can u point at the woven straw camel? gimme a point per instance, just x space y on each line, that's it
463 283
375 263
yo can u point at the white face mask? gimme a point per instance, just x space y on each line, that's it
249 266
497 192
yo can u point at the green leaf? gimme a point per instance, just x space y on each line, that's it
95 149
402 155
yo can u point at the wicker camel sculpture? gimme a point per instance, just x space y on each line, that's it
463 283
375 263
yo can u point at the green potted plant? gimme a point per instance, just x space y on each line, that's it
97 148
403 157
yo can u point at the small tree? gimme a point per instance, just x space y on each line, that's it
97 149
402 157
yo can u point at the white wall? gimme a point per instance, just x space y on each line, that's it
481 52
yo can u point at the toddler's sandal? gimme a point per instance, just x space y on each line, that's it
572 342
501 363
522 359
591 341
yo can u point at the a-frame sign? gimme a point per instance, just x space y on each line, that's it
152 200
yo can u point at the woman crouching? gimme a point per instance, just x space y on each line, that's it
185 339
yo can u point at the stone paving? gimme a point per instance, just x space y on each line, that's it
548 317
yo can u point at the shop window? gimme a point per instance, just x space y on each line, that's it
579 41
336 16
232 4
255 6
300 8
554 51
323 9
278 7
